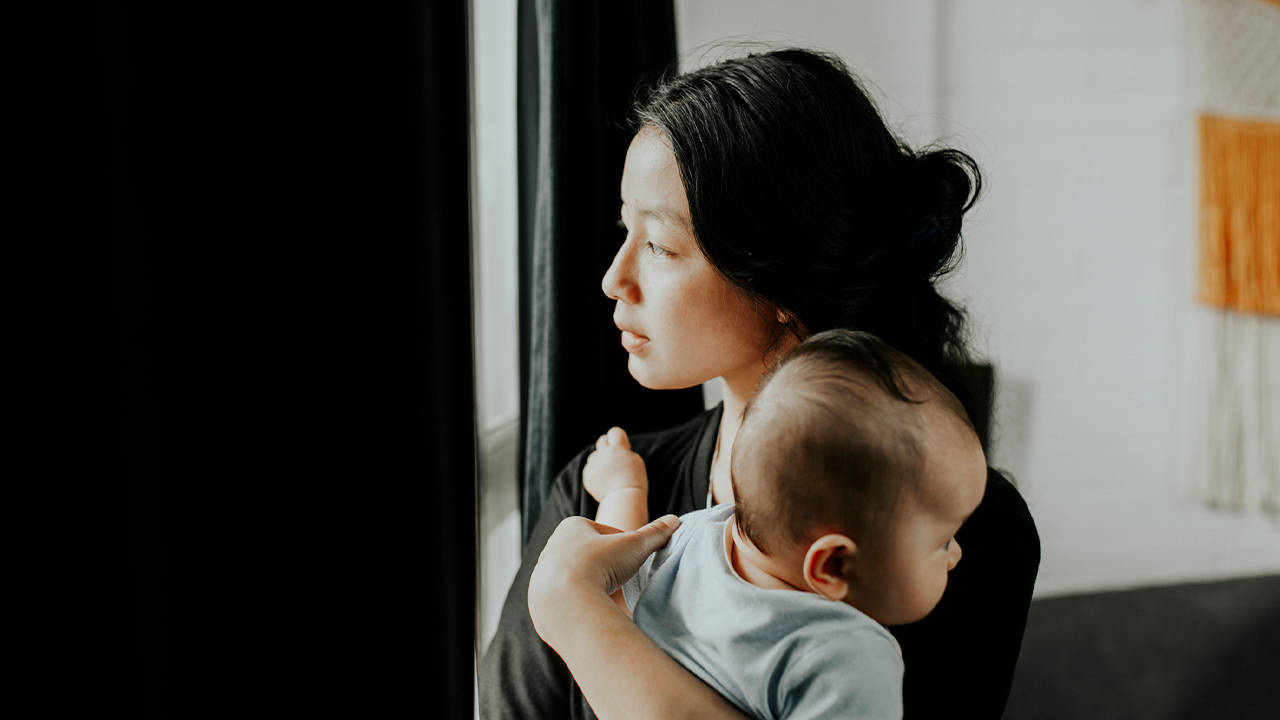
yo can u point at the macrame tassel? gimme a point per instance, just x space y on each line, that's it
1240 214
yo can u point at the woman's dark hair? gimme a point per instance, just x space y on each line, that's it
802 197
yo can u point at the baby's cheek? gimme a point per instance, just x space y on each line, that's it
943 579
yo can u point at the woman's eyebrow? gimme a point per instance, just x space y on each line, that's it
663 215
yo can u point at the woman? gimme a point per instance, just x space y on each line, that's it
765 200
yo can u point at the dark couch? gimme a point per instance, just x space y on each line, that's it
1204 650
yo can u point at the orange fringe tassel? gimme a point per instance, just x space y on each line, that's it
1240 214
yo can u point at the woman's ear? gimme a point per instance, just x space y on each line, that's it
828 564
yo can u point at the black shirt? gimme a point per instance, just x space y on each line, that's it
959 660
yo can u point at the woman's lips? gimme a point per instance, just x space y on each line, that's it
633 342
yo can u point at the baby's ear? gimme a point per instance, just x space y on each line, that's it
827 564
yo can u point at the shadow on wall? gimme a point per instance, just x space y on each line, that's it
1011 430
1205 650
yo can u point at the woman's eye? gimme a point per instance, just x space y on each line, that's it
621 225
947 544
656 251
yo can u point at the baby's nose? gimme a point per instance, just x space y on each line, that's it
954 558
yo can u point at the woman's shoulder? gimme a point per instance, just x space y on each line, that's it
1003 498
1004 521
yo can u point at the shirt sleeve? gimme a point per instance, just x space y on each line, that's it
634 588
854 675
521 676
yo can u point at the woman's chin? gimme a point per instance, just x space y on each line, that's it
642 374
652 378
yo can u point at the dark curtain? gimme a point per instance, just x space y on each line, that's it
276 225
581 65
110 239
443 299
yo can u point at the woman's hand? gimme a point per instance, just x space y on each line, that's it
581 564
613 466
620 671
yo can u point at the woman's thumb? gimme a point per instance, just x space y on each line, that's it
631 549
653 536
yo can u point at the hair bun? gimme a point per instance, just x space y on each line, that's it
941 185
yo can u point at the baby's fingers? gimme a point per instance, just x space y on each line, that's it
618 436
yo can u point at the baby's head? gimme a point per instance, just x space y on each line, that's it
852 472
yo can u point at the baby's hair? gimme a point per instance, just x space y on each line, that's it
833 438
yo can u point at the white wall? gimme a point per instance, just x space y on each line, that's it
889 45
1079 273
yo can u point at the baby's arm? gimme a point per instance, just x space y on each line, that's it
615 477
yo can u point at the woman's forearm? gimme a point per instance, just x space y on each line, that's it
639 680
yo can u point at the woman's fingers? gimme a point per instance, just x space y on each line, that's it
658 530
584 551
627 551
602 442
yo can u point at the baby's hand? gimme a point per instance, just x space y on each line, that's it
612 466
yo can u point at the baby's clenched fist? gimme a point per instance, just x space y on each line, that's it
613 466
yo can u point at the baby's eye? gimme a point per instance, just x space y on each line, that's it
947 544
657 251
621 225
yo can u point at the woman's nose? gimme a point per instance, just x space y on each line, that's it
617 283
954 558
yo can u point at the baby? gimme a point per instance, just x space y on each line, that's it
852 472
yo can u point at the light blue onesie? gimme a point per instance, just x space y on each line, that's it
773 653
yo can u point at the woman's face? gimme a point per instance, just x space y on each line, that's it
682 323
